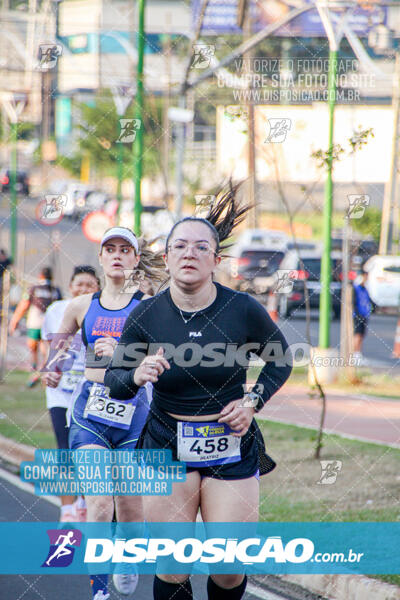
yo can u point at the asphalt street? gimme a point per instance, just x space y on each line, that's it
378 343
39 250
74 248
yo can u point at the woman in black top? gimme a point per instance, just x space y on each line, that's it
192 342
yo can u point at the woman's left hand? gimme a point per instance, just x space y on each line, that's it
238 417
105 346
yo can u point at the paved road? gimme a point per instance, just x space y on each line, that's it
362 417
74 247
378 344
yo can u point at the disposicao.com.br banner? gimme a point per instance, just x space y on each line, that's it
263 548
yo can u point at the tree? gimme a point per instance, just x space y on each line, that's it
100 129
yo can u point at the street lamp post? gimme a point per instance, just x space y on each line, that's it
334 33
138 144
122 96
326 276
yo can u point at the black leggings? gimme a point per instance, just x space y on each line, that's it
59 420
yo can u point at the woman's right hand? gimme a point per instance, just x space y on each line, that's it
151 368
51 378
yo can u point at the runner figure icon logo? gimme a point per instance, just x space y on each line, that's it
62 547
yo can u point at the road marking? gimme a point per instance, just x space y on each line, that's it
27 487
260 593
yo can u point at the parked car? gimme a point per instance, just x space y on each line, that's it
304 245
383 283
22 182
304 269
255 258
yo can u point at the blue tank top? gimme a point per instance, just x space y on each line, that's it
100 322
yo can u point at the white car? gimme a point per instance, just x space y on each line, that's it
383 283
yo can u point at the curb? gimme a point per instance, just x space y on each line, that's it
331 587
14 453
346 587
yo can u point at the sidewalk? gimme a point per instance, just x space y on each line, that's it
361 417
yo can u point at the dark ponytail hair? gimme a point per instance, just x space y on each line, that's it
151 262
225 213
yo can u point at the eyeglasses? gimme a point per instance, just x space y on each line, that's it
199 248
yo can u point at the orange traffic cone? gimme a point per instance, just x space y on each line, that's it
272 306
396 346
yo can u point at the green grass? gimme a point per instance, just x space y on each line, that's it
393 579
23 413
366 488
371 384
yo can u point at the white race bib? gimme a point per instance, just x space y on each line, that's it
204 444
100 407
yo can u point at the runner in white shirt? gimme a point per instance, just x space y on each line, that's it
59 400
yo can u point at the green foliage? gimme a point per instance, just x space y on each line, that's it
323 157
99 129
360 139
26 130
357 141
370 223
70 163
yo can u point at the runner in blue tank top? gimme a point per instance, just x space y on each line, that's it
99 421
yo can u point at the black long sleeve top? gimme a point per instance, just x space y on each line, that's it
208 354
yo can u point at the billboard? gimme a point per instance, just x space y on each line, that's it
220 18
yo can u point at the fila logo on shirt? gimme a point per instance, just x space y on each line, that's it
195 334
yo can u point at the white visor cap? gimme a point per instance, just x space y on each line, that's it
121 232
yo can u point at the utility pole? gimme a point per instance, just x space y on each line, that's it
167 99
13 105
13 189
389 201
138 143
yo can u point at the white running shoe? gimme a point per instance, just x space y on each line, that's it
125 583
101 596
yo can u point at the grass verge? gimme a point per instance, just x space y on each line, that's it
23 413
